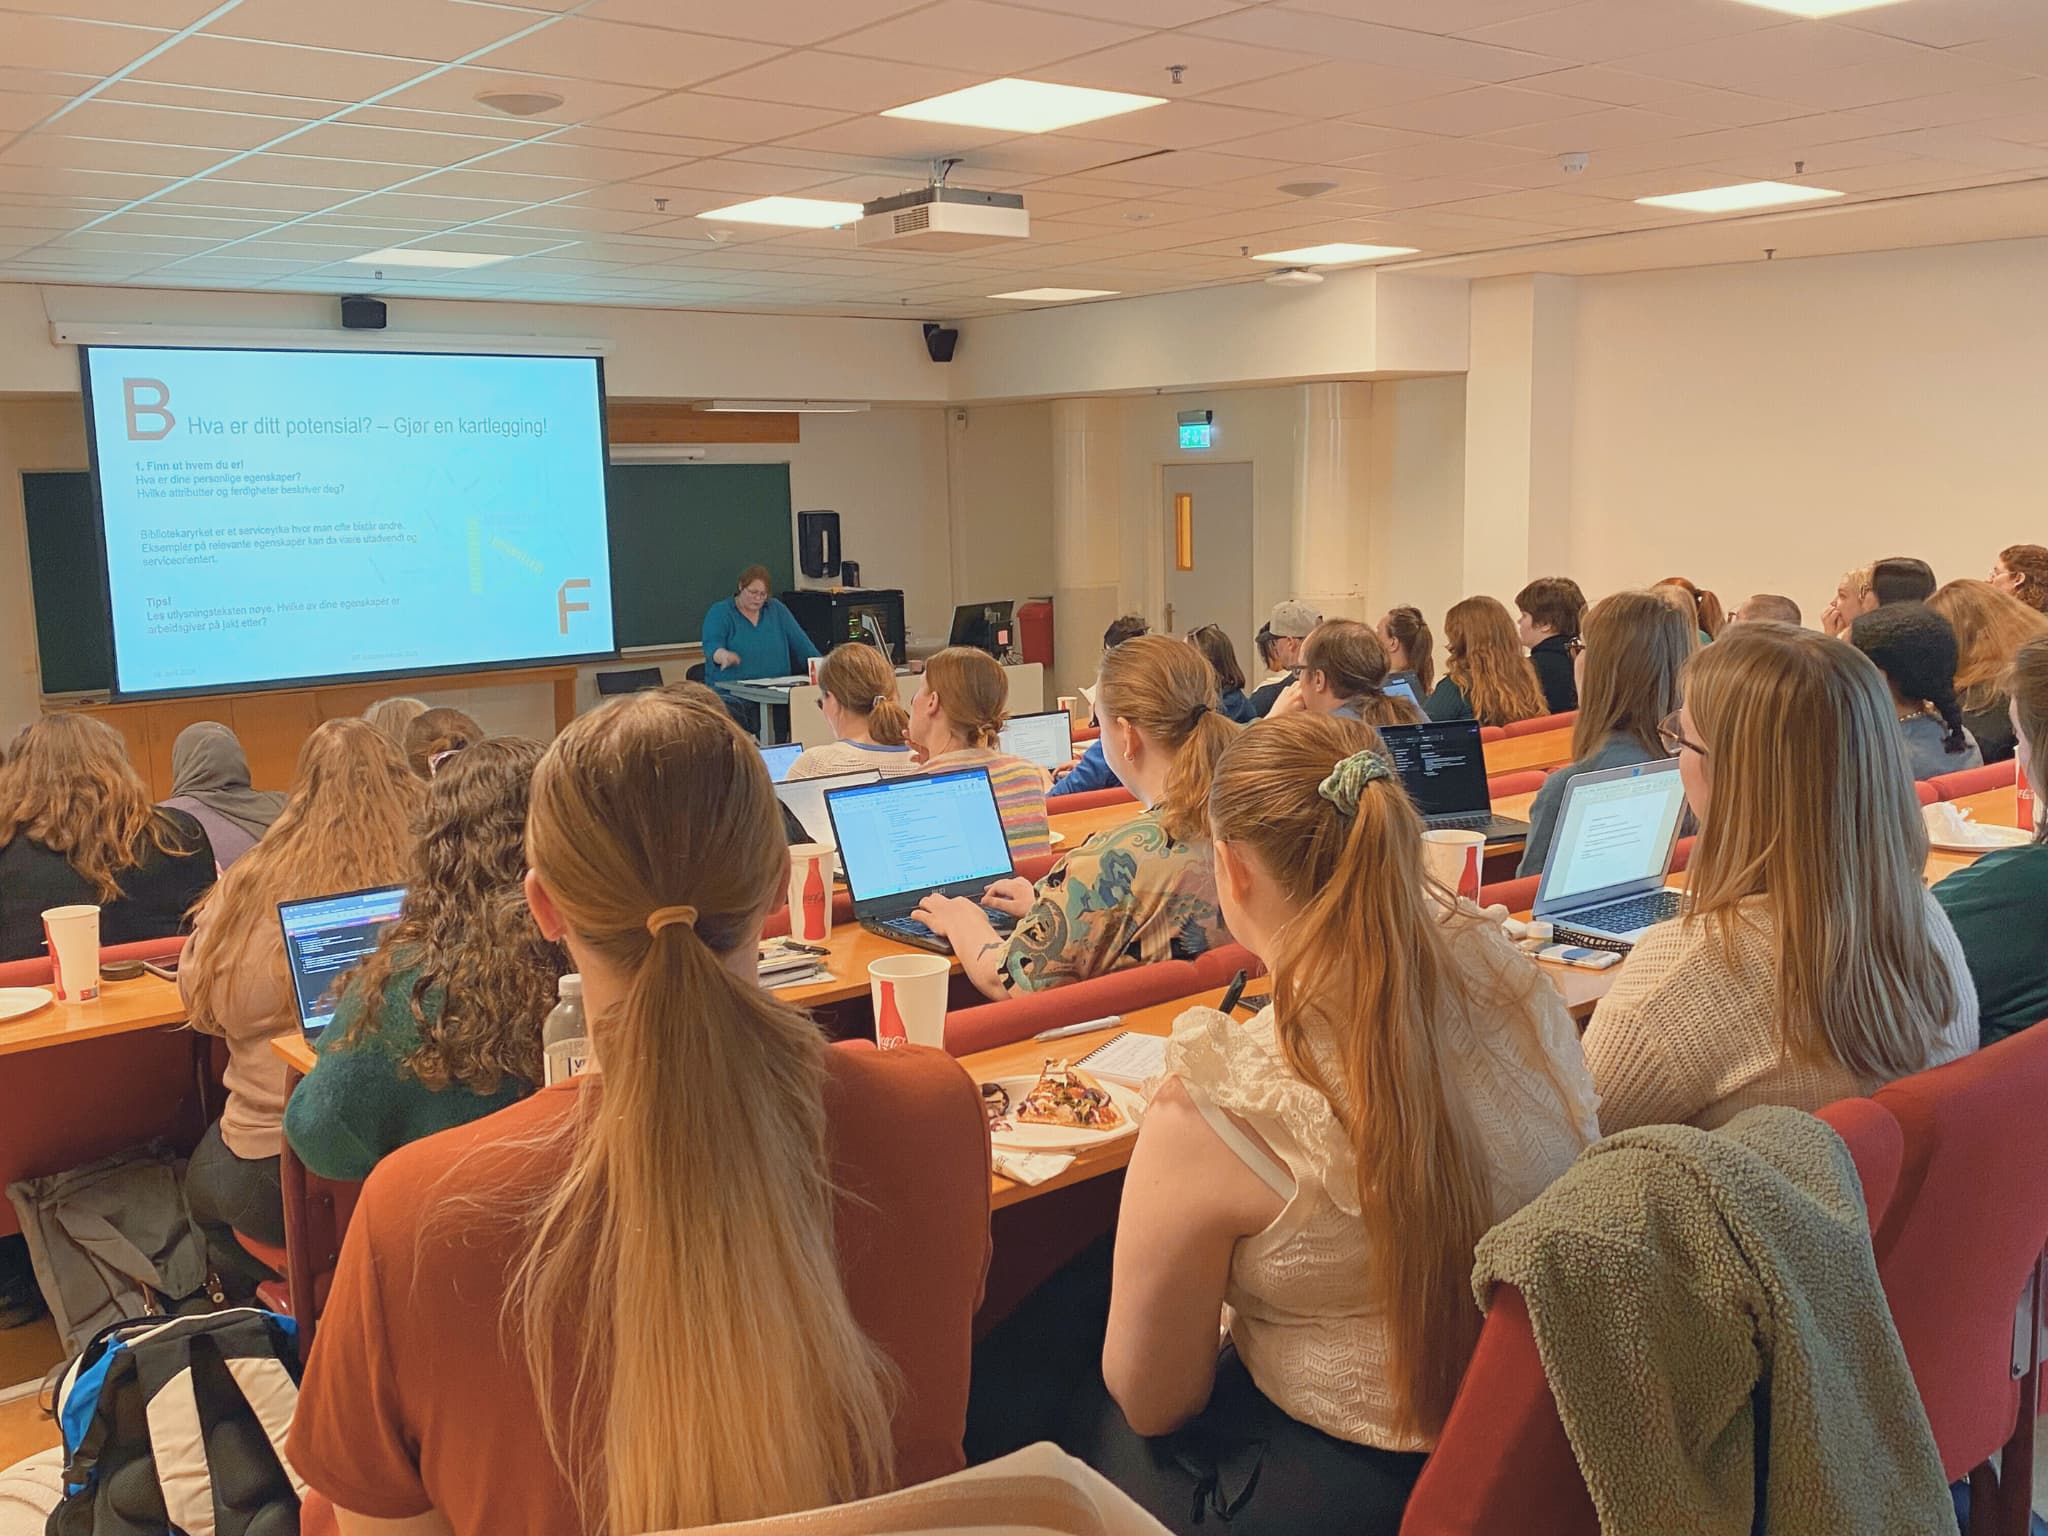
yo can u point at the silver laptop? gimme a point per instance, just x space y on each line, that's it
1045 738
1401 688
1604 884
781 759
805 799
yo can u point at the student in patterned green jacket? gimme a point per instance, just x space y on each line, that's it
1142 892
441 1025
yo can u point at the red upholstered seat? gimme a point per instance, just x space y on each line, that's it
1515 895
1089 800
1083 734
35 970
1960 1252
1925 789
1526 782
1218 966
1541 724
992 1024
1503 1462
1491 733
1974 781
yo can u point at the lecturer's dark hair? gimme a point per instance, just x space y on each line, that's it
1916 648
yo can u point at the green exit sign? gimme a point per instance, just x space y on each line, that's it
1197 434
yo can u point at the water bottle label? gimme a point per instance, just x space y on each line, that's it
566 1061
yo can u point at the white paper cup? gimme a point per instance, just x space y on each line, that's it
811 668
810 892
909 994
1454 858
73 934
1067 701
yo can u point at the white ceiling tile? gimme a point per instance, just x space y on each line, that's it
1053 154
249 199
1729 109
412 29
1276 26
394 146
1210 65
1615 126
431 210
103 119
1199 167
1184 125
581 160
1861 85
1139 13
456 90
214 226
201 99
734 176
1976 106
1483 110
480 122
1443 17
76 46
793 23
897 138
308 171
1966 148
579 217
1596 31
1322 144
1446 157
626 55
503 186
727 118
24 109
1953 22
676 146
227 63
811 78
68 153
981 35
2030 53
1340 88
1776 53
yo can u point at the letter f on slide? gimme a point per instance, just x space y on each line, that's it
139 405
563 607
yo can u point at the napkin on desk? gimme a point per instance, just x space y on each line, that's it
1030 1167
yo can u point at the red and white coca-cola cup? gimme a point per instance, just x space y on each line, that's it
810 892
909 994
1454 859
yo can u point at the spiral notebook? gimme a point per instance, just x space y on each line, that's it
1128 1058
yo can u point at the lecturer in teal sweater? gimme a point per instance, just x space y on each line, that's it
750 634
441 1025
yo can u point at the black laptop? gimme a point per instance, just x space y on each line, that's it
902 840
1444 770
326 937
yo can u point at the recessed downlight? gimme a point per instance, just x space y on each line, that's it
530 103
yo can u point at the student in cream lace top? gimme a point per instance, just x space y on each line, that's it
1811 963
1336 1243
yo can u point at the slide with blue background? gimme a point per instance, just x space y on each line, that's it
272 516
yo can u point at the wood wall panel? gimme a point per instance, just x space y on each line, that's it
655 422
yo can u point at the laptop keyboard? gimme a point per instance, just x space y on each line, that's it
1473 821
1628 916
915 930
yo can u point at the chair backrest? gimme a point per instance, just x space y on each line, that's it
632 680
1515 895
1491 733
1974 781
1525 782
1542 723
1216 967
35 971
1965 1233
992 1024
1057 806
1925 790
1503 1462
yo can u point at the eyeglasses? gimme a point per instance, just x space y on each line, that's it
1575 646
1672 734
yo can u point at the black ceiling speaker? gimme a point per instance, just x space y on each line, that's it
940 340
360 313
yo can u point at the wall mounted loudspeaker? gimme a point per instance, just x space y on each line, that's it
360 313
940 340
817 542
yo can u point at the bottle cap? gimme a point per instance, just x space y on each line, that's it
569 985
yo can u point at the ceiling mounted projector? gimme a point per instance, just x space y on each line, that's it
1295 277
941 218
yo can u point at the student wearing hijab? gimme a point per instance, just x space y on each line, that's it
210 783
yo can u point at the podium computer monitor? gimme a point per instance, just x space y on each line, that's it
990 627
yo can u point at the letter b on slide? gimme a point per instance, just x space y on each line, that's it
147 401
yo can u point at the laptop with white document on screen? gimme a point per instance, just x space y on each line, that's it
805 800
1443 768
1401 688
325 937
1045 738
902 840
1604 884
781 759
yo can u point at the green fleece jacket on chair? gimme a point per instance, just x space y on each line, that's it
1678 1278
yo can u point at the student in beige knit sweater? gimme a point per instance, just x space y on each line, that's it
1811 963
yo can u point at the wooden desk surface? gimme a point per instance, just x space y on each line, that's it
1545 749
123 1007
1078 826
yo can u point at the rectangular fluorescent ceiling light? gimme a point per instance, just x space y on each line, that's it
1023 106
815 407
1334 255
414 256
1056 295
791 212
1748 194
1818 8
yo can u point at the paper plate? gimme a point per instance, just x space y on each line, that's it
1979 839
1057 838
19 1002
1063 1138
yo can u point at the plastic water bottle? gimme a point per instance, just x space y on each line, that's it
564 1040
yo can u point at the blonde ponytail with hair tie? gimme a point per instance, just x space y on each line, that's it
664 917
1346 782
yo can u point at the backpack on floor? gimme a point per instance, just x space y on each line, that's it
178 1425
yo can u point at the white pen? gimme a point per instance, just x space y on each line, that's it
1079 1029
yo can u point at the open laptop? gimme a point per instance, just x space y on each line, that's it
1604 884
905 839
325 937
1444 770
1401 688
1046 738
779 759
805 800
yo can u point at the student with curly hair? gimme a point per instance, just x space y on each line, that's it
1915 649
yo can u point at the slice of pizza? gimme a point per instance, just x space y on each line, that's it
1065 1095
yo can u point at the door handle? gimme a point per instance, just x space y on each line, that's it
1169 618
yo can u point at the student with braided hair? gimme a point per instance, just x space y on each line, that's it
1915 648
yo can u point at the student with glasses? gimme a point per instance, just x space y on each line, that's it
1811 963
1627 665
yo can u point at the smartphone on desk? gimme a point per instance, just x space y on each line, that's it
167 968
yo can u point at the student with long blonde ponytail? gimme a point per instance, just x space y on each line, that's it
1325 1169
857 696
1141 892
1810 964
730 1273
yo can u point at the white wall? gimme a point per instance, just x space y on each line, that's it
1000 464
1416 541
1762 428
34 435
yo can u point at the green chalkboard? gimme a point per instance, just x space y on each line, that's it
73 634
681 535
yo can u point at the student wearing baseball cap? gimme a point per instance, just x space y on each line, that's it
1289 626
